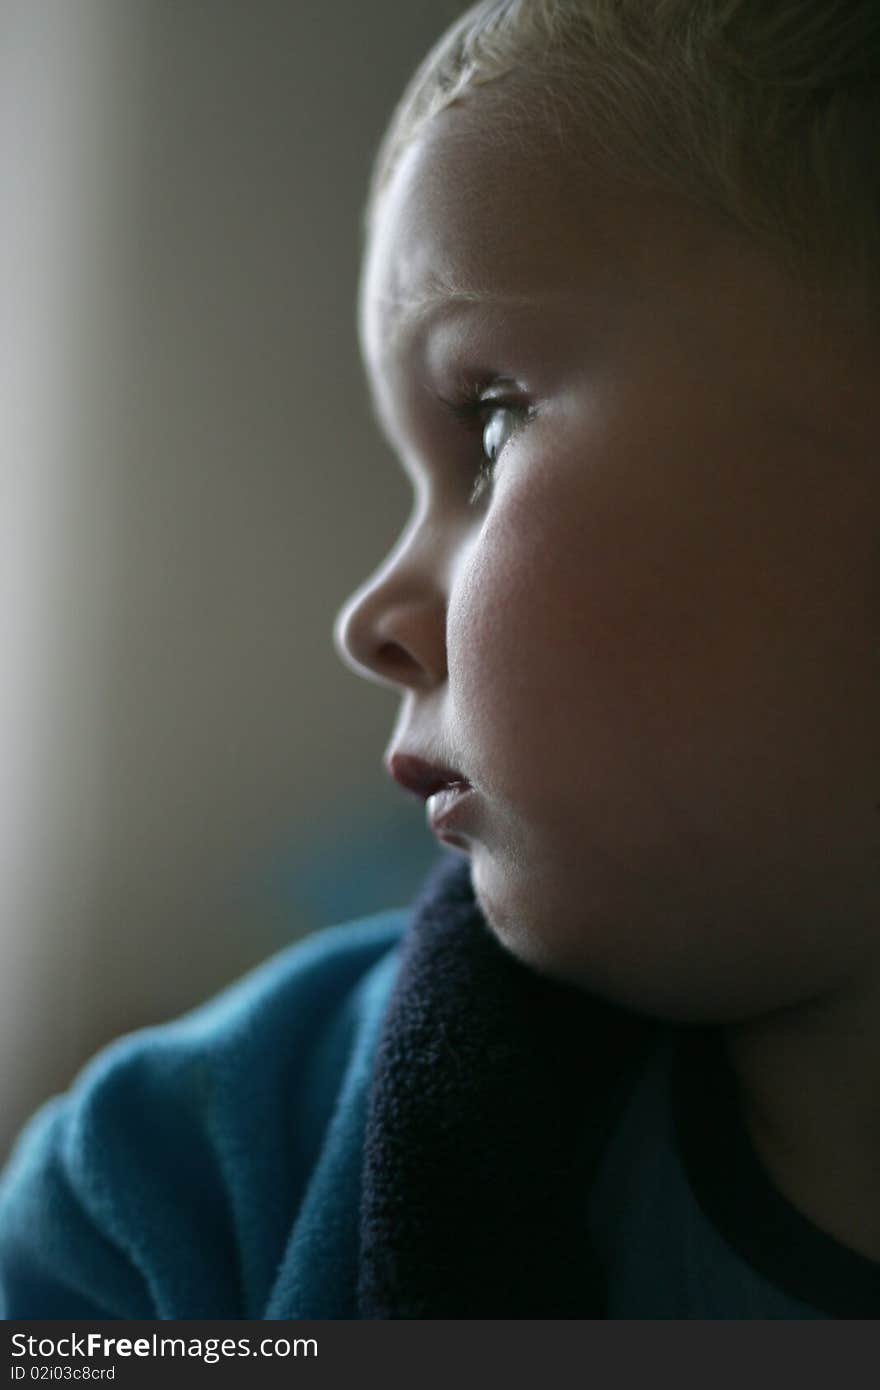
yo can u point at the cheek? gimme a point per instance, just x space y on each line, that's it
519 650
582 647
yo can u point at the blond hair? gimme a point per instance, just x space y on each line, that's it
762 111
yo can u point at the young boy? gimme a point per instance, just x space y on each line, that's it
622 1057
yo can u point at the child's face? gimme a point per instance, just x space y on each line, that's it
653 644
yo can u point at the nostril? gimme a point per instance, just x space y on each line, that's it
397 640
396 663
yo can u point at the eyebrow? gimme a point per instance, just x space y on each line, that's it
441 294
417 307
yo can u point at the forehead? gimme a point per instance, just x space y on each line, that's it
490 244
486 210
473 215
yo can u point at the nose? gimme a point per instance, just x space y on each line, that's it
392 630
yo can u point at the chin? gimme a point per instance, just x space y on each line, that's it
510 925
687 999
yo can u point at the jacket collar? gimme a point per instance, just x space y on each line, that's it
493 1093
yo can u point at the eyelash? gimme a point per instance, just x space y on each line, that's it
474 410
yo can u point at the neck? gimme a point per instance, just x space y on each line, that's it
809 1082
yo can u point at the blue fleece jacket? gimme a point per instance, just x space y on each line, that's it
211 1167
397 1119
377 1123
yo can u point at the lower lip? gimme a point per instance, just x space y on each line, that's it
443 810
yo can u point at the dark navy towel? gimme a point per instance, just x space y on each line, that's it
493 1092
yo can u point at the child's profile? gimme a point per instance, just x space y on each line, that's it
621 1057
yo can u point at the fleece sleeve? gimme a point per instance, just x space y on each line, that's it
166 1181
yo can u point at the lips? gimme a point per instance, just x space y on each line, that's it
421 777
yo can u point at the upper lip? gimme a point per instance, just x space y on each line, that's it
420 776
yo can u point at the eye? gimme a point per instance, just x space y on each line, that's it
497 429
496 419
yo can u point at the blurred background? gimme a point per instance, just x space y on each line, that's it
191 485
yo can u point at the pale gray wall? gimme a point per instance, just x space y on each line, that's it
193 484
